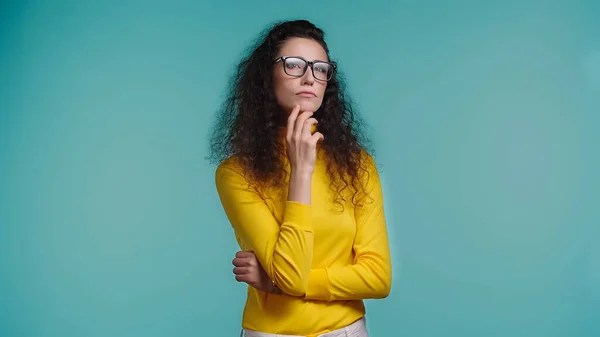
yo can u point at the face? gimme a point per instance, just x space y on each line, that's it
307 91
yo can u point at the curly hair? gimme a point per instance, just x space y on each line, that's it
249 119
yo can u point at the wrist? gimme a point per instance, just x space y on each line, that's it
301 174
300 187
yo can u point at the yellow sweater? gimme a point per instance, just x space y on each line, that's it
326 261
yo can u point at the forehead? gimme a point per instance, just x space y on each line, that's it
306 48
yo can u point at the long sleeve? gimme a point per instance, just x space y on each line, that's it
371 273
284 250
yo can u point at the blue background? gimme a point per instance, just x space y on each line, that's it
484 117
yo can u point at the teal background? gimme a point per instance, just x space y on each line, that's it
484 117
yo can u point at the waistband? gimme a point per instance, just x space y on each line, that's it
358 329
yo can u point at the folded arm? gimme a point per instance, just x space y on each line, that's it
371 273
284 250
369 276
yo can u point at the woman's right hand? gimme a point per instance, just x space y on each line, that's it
301 144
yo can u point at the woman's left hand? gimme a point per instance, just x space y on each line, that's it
248 269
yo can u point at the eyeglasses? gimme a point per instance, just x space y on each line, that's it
296 66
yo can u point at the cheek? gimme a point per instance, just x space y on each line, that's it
282 92
279 87
322 91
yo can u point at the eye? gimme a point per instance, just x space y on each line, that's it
294 63
322 68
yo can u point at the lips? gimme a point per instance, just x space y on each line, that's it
306 94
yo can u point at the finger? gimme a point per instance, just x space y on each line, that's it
300 124
307 127
240 270
291 121
244 253
316 137
253 262
241 262
242 278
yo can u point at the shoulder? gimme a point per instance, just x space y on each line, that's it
369 173
367 161
366 157
229 168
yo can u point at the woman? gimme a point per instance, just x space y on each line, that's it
306 206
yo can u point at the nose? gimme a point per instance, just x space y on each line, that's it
308 77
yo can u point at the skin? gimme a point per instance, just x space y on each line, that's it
300 143
287 88
247 269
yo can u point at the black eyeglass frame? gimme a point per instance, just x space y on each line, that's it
307 64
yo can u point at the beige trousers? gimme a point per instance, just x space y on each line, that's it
356 329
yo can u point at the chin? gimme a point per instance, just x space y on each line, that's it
304 106
309 106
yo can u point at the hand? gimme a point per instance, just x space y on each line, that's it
248 269
301 145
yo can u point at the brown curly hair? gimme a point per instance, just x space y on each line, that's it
249 120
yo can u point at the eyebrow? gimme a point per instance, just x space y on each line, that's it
304 58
